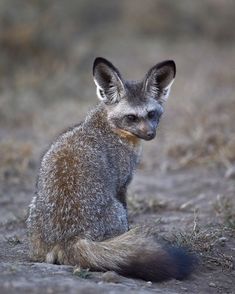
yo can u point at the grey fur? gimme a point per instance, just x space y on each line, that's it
78 214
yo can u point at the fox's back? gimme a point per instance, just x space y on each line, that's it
81 180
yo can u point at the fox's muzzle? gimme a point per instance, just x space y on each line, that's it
146 131
147 136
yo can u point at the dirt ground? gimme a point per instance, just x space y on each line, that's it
186 180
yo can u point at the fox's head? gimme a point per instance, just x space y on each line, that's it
134 107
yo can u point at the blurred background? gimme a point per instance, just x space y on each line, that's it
46 53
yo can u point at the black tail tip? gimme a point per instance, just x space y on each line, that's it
162 265
183 262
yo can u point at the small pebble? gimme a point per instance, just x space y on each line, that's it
186 205
212 285
223 239
111 277
149 283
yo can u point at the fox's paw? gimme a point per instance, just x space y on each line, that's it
56 256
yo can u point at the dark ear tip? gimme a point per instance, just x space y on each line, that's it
170 63
108 64
99 60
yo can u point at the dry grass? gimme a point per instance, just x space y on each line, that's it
206 138
225 210
15 160
81 273
137 205
13 240
207 242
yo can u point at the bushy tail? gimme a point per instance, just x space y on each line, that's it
135 254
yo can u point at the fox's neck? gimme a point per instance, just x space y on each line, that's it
98 119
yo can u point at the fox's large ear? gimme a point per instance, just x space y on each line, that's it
110 87
159 79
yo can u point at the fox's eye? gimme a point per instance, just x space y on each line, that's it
151 114
132 118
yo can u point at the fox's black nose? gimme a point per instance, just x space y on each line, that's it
150 135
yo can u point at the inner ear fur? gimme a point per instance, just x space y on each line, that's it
108 80
159 79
